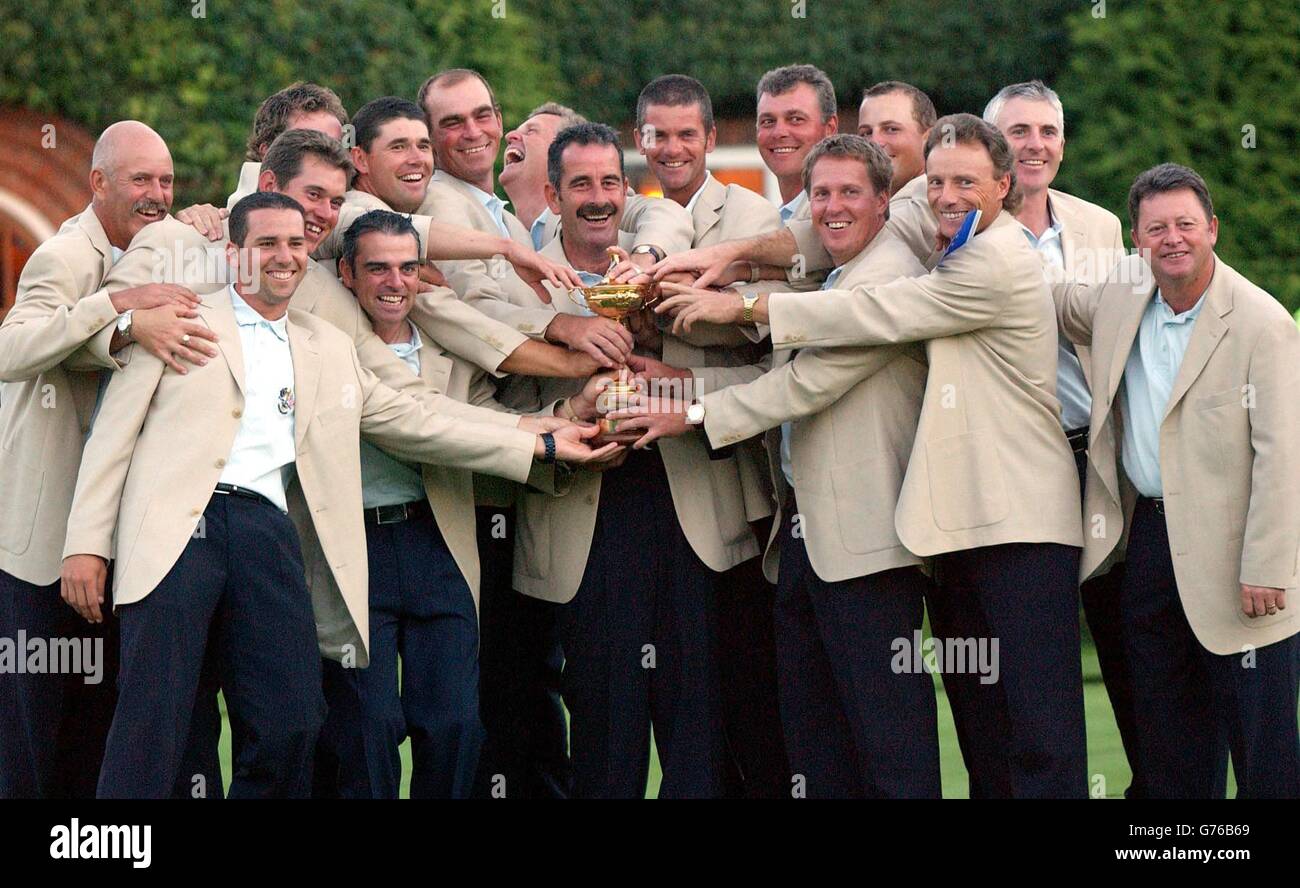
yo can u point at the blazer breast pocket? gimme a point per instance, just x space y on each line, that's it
967 482
865 514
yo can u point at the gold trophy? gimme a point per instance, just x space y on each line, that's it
616 302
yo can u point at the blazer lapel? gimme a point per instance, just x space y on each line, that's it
306 376
1206 336
707 210
217 310
435 367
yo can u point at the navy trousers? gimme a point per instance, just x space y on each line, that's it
854 727
53 726
1023 735
526 745
237 591
1195 708
421 613
640 646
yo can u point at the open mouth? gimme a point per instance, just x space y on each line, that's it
314 230
391 298
1177 254
838 225
673 164
153 214
514 155
785 149
280 274
411 178
476 150
1034 162
953 215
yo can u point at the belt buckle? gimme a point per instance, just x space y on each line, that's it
1159 503
391 514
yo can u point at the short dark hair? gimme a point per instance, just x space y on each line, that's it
967 129
880 170
381 221
286 154
579 134
272 117
922 108
675 90
780 81
1163 178
258 200
375 113
451 77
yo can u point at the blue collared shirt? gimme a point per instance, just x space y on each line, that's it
1071 384
495 206
1149 375
796 203
263 452
787 464
538 229
385 480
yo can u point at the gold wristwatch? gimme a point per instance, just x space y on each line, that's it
748 299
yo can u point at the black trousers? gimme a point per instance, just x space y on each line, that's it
53 725
855 727
1195 708
1101 608
238 590
756 766
1021 736
421 611
640 646
526 743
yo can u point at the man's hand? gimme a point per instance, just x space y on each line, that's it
430 276
586 403
535 269
689 305
608 342
168 332
571 445
152 296
1259 601
206 220
667 421
609 462
539 424
82 585
645 333
705 265
652 370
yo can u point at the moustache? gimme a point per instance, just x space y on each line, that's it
586 211
148 206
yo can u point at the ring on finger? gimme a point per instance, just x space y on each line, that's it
185 338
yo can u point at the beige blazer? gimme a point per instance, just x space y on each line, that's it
990 464
249 171
161 442
554 533
1229 447
46 404
855 413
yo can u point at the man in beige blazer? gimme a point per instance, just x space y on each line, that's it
56 343
631 552
840 425
990 490
1194 473
215 553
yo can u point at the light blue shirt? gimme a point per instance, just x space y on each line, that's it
787 464
1149 376
794 206
385 480
538 228
589 279
263 453
496 206
1071 384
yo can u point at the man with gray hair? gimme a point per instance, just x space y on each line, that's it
796 110
523 175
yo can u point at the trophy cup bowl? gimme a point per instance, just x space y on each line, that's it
616 302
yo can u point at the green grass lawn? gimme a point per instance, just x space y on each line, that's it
1105 754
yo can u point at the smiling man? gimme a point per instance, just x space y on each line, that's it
523 171
796 110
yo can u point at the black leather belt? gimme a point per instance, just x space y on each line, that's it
398 513
243 493
1078 439
1157 503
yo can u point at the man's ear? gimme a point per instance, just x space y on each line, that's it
345 273
712 141
266 181
359 160
552 197
98 182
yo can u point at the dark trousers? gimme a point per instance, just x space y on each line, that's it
1021 736
1101 599
855 727
640 646
526 744
756 766
53 726
421 611
1194 707
238 589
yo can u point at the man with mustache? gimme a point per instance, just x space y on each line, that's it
58 345
991 489
1194 474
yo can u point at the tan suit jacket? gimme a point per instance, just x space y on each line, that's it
162 440
990 464
654 220
249 172
46 404
855 413
1229 447
555 533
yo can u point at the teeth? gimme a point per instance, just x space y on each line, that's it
953 216
784 150
674 164
836 226
596 218
514 155
391 300
281 275
1033 162
312 228
1177 255
473 150
412 177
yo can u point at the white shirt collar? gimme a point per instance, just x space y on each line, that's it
247 316
690 204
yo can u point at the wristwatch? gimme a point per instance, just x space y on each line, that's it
749 299
695 414
548 442
124 325
656 253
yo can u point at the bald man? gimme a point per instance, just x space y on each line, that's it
57 349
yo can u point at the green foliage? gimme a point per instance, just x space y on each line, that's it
1165 80
198 80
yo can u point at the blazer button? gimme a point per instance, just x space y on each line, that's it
221 464
237 413
591 500
194 513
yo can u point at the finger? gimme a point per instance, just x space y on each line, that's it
189 355
540 289
624 335
705 280
200 336
646 440
1247 603
1281 599
170 360
606 451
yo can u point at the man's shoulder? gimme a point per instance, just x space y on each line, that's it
739 199
914 190
1086 215
884 260
166 233
71 244
332 341
1252 301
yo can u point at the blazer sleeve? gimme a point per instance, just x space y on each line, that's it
809 246
1076 306
1272 536
659 222
50 320
409 430
813 381
490 294
968 292
465 330
107 457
